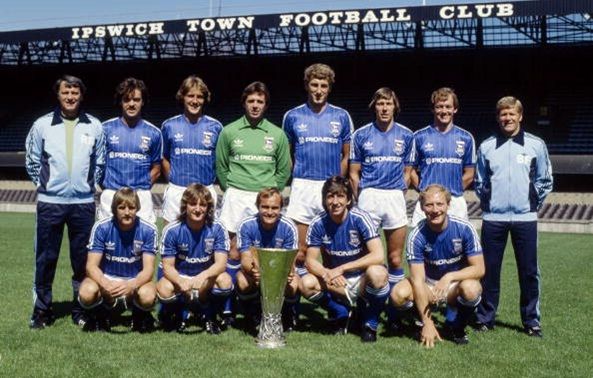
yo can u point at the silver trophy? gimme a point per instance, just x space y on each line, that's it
274 266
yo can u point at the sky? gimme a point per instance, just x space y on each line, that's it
40 14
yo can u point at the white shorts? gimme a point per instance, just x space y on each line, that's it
305 200
146 211
352 289
237 205
457 207
172 201
387 207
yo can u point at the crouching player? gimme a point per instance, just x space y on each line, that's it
352 258
446 265
120 265
267 229
194 253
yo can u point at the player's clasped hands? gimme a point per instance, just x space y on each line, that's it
118 288
185 285
335 277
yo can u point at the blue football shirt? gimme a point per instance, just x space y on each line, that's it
190 148
382 155
122 250
130 153
317 140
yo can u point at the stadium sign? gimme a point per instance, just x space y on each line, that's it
306 19
339 17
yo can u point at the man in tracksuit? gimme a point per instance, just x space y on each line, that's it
513 177
65 157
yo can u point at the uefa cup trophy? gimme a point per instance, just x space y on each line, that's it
274 266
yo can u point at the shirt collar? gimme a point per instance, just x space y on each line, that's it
57 118
519 138
261 125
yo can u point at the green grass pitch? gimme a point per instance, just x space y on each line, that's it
566 263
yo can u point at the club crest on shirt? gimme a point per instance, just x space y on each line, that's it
208 245
460 147
137 250
302 127
268 144
334 128
207 138
178 137
144 143
114 139
278 243
398 146
457 246
354 238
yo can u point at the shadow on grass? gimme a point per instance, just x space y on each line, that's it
62 309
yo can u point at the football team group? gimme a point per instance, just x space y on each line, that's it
347 186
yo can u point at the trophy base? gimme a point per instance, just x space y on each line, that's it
270 332
270 344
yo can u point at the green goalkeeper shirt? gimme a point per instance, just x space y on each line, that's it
252 157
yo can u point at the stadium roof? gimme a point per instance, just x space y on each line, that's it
478 25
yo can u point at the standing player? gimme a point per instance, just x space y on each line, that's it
352 261
268 229
194 252
380 165
446 264
134 149
319 135
65 158
189 143
120 266
444 154
510 206
251 154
